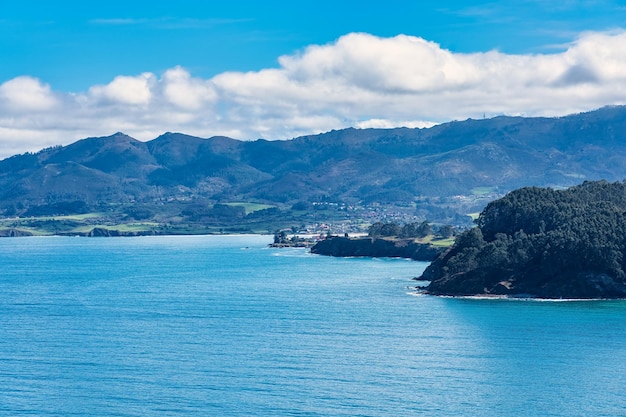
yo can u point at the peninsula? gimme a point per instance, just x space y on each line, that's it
541 243
376 248
417 241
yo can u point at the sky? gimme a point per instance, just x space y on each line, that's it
278 69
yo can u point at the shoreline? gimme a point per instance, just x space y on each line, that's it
409 248
76 235
520 297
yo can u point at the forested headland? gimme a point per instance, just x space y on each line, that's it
541 242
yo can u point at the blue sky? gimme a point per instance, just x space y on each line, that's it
75 44
253 69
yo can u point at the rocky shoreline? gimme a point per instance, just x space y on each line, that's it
377 248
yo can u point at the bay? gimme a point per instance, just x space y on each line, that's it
224 325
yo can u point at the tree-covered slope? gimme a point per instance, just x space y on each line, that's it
541 242
440 169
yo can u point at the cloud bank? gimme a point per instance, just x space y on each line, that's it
359 80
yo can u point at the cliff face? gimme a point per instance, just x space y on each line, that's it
377 248
527 284
14 233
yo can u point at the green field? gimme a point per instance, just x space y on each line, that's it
445 243
474 216
478 191
250 207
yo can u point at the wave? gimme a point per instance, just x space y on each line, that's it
523 298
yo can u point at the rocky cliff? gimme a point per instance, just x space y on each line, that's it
378 248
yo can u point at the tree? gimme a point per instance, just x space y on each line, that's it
374 230
380 229
390 229
413 230
280 237
447 231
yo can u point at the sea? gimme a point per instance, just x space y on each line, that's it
227 326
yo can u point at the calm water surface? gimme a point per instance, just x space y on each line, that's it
224 326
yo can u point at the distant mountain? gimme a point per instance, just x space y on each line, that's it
434 168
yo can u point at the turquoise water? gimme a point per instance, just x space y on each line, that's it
224 326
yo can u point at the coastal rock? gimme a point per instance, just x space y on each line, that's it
582 285
14 233
103 232
377 248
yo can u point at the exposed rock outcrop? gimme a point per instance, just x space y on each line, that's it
14 233
377 248
104 232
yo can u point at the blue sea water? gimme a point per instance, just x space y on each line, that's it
225 326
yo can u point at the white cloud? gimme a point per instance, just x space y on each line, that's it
118 21
26 94
389 124
403 64
126 90
186 92
360 80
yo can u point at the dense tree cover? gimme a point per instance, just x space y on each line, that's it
409 230
542 242
58 209
380 229
204 212
140 212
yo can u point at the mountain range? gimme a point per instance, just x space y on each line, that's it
431 168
